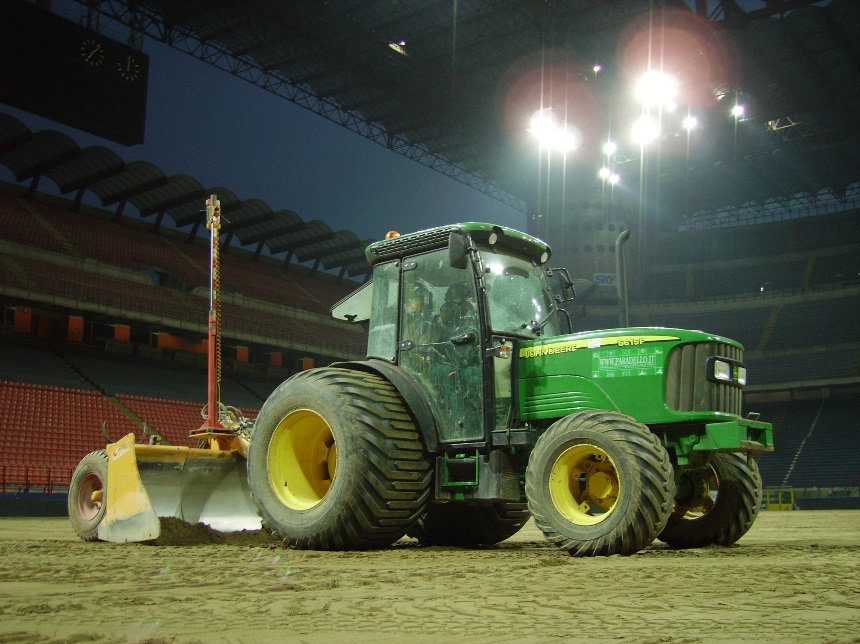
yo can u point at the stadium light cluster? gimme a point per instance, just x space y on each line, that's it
656 94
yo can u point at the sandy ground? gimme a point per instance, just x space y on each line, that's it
795 577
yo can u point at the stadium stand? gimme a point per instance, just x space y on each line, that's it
818 364
170 278
788 291
45 430
840 266
28 362
745 328
733 280
819 322
117 375
806 458
18 225
57 389
58 279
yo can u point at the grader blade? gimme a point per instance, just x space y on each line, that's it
128 511
145 482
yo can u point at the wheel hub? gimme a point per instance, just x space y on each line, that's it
584 484
701 486
90 495
302 459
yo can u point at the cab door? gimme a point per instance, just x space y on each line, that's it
440 342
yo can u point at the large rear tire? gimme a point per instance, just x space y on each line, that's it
467 524
699 519
87 502
336 462
599 483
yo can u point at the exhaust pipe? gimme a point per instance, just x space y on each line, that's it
621 277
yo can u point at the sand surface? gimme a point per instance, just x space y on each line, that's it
795 577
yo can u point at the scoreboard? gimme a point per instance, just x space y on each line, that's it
54 68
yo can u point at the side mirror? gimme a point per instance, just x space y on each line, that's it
457 255
569 291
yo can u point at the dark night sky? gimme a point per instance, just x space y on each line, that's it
224 131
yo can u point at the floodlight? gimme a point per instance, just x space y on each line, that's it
645 129
399 46
613 178
551 135
604 173
565 140
610 148
738 111
721 91
656 89
542 124
597 68
689 122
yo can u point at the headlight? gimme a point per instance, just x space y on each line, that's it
722 371
727 371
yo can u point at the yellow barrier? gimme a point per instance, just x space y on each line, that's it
779 498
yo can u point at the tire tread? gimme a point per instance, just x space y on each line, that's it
395 483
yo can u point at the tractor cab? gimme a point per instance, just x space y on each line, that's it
449 315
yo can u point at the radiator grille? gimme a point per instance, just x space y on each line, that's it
687 384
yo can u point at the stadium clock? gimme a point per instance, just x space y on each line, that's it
128 68
92 52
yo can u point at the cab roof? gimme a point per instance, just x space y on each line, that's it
502 237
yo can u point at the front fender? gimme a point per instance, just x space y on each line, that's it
551 397
414 396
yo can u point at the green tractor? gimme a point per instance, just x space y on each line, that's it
473 411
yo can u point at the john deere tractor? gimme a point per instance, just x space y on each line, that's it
473 411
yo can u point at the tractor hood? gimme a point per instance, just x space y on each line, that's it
657 375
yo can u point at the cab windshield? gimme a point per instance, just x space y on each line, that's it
519 296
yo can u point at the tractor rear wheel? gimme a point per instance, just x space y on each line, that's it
336 462
87 502
599 483
468 524
718 503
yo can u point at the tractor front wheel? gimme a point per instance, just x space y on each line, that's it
599 483
87 502
717 504
336 462
467 524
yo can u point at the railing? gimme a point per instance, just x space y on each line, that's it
34 478
791 498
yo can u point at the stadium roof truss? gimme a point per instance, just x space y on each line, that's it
433 80
278 47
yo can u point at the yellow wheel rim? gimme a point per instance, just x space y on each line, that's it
302 459
584 485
